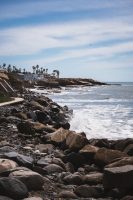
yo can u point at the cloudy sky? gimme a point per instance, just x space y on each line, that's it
81 38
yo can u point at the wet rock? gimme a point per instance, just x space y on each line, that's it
89 191
121 162
122 144
13 188
75 179
32 180
121 177
53 168
93 178
67 195
100 143
75 141
106 156
6 165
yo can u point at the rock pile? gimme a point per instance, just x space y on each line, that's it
41 159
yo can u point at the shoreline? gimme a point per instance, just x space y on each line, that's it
37 145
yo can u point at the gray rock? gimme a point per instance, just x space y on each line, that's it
6 165
5 198
13 188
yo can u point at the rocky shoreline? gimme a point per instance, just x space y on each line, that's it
42 159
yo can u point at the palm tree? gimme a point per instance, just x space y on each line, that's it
37 67
57 73
34 69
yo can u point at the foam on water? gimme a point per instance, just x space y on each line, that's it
101 112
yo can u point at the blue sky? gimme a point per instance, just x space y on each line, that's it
81 38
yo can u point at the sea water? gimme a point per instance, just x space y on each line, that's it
101 111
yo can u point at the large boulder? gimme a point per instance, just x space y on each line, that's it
6 165
89 191
26 128
59 136
75 141
32 180
89 151
120 177
13 188
121 162
105 156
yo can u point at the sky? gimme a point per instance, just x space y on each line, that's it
80 38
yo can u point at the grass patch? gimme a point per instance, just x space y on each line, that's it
5 98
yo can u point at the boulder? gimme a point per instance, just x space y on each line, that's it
100 143
6 165
105 156
76 159
53 168
89 151
93 178
13 188
121 162
122 144
89 191
59 136
127 198
21 115
43 117
32 180
67 195
36 105
6 149
26 128
75 141
74 179
120 177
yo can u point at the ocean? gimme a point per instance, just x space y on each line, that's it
100 111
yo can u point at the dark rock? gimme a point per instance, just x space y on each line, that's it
122 144
120 177
5 198
13 188
32 180
53 168
127 198
89 191
22 160
106 156
75 158
6 149
100 143
43 117
26 128
74 179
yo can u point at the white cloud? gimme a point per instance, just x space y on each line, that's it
33 39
